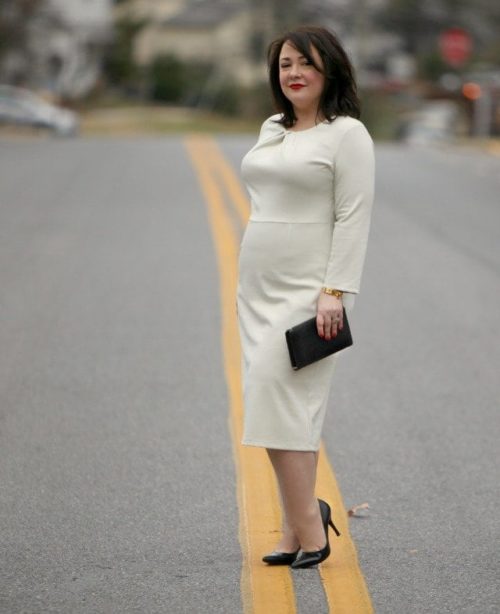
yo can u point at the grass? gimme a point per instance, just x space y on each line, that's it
150 120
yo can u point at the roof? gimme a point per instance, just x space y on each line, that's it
204 14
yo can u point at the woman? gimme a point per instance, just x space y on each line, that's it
310 178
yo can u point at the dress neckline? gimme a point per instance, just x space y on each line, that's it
288 131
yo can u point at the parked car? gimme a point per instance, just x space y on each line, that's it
21 107
434 121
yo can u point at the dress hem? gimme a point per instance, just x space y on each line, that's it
281 446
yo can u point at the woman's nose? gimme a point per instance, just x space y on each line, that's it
295 70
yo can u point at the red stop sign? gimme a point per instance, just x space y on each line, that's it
455 45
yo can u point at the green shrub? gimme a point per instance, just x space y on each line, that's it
168 79
193 84
119 67
381 112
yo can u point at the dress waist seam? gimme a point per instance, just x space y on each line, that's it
251 219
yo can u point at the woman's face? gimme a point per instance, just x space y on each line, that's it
300 82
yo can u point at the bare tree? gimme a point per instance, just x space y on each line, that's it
420 21
15 16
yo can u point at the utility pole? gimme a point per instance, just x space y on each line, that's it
286 14
360 32
262 28
270 19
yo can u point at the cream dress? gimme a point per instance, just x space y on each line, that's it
311 197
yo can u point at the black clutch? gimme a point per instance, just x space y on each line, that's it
306 346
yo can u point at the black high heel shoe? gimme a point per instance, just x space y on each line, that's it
280 558
308 559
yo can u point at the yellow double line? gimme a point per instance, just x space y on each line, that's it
264 589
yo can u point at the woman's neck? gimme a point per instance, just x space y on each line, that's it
307 119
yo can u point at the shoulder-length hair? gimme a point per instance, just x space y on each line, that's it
339 95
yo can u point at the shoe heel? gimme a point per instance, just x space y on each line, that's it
337 532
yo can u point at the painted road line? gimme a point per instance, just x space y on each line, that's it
263 589
342 579
236 193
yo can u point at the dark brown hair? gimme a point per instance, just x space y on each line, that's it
339 95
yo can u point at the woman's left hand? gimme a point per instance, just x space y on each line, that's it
329 317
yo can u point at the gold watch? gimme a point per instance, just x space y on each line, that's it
332 292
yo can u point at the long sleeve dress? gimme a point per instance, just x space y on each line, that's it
311 195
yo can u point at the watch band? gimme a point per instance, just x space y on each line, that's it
332 292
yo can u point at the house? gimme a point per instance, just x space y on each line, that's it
210 31
233 34
148 10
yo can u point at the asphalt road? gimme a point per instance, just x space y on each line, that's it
117 485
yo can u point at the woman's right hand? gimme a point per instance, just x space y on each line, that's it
329 317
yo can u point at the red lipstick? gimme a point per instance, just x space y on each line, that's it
296 86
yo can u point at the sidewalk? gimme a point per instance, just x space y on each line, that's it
490 146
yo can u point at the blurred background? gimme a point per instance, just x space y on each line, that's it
427 70
117 482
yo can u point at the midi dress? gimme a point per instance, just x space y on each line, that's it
311 195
